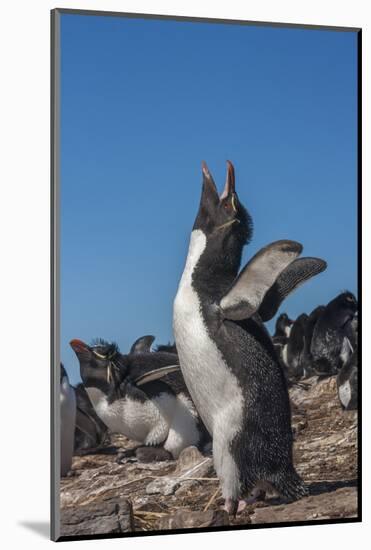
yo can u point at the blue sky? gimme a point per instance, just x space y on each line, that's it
143 102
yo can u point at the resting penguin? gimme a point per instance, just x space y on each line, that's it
90 433
68 415
334 324
347 379
226 355
129 396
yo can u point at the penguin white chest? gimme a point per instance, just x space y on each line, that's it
287 331
213 387
146 422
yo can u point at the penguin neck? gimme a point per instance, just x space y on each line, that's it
209 269
97 385
336 318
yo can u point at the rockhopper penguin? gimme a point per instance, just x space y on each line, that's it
335 323
140 395
226 355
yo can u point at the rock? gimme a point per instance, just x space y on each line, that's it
189 457
164 486
341 503
110 516
191 464
185 519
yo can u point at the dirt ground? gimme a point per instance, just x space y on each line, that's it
102 496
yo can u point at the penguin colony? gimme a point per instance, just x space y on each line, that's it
323 343
223 384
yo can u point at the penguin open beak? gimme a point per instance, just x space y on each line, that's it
209 190
230 182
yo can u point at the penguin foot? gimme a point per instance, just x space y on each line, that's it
234 507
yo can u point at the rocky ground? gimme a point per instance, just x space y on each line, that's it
101 496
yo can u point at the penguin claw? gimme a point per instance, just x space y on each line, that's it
234 507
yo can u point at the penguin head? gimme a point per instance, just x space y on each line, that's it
99 362
345 307
223 219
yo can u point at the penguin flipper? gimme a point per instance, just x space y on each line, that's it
294 275
143 344
245 296
156 374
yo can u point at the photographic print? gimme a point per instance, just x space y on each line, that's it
205 342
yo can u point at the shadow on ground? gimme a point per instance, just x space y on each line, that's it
42 528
